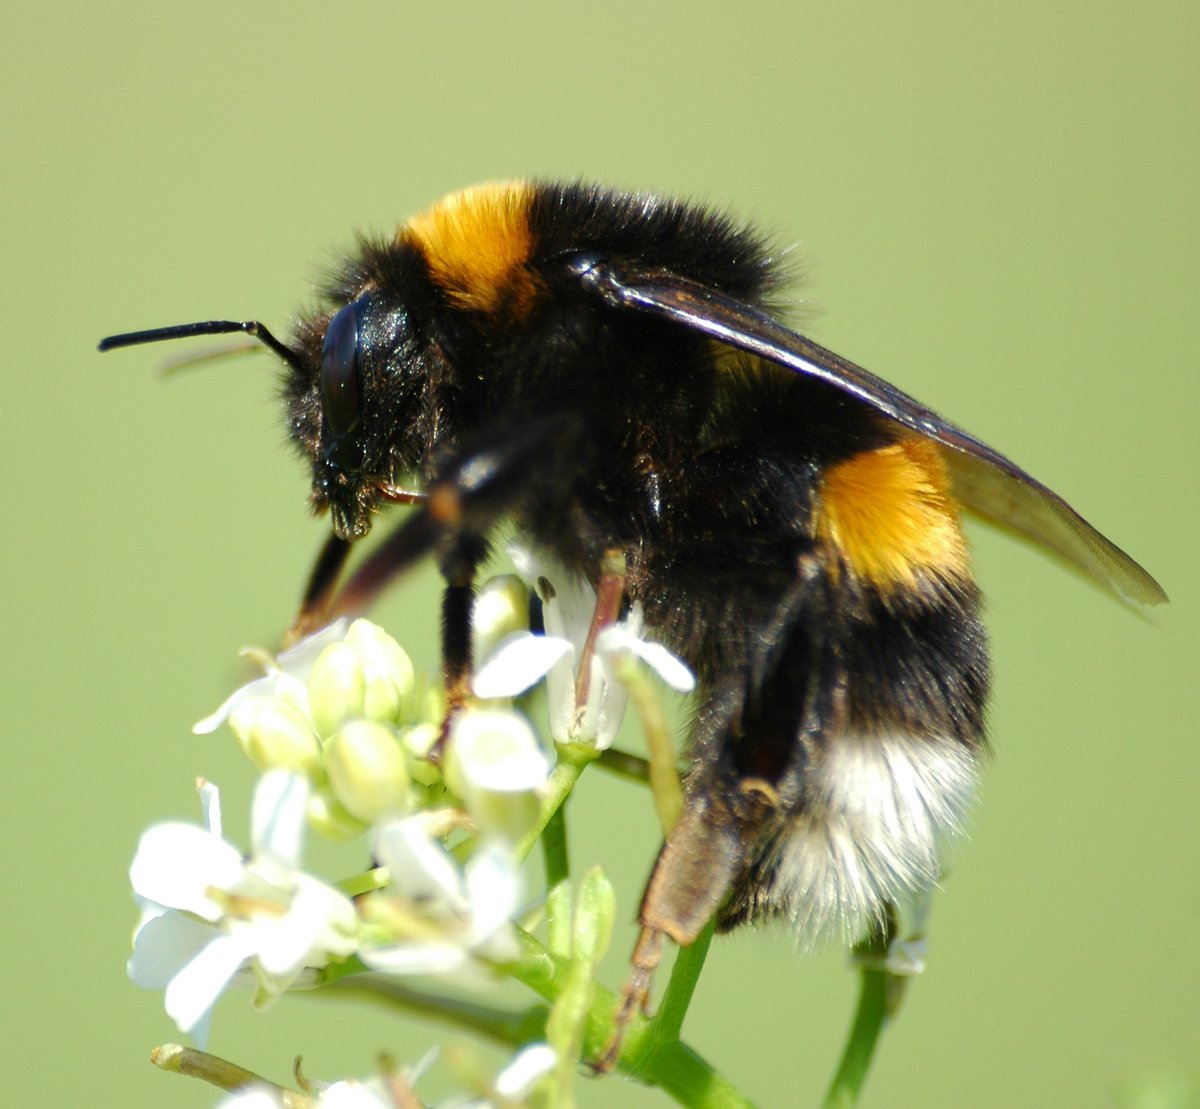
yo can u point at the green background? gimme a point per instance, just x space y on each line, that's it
999 208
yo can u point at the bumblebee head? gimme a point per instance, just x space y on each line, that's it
354 401
353 382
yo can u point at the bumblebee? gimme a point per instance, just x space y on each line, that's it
605 371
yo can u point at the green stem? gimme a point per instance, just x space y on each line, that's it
877 1000
685 975
664 773
880 993
632 768
554 848
498 1025
558 885
673 1066
572 761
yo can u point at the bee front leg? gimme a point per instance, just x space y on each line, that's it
458 563
319 590
474 485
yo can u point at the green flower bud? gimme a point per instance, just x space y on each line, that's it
276 735
388 674
330 819
367 770
417 743
429 700
336 687
590 930
594 916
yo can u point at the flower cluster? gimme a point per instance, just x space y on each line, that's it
351 744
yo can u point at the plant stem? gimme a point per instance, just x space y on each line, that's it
498 1025
663 771
673 1066
622 764
685 975
869 1019
222 1073
885 974
558 885
572 761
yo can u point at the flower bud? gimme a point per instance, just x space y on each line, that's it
336 687
329 818
594 916
501 608
276 736
367 770
417 743
388 675
429 700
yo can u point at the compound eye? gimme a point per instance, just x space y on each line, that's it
341 387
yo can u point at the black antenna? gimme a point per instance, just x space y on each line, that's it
206 327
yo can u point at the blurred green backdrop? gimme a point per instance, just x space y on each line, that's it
999 208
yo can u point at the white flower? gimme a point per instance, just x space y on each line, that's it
352 1094
510 1088
497 751
523 659
285 676
253 1097
435 917
346 1094
209 913
495 765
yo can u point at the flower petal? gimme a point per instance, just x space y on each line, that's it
260 687
517 1080
417 867
495 750
195 989
520 661
320 922
667 666
277 819
352 1094
492 889
426 957
298 660
210 805
176 863
164 945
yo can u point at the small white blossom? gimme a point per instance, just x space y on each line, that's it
210 913
352 1094
510 1088
523 659
498 751
496 766
253 1097
435 917
346 1094
285 677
